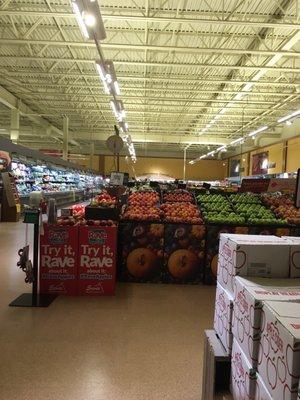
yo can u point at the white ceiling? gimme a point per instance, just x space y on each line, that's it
179 63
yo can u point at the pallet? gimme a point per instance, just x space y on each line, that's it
216 367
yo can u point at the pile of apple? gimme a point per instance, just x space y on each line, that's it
104 200
186 213
139 212
71 221
92 222
143 198
216 209
258 214
245 198
178 195
78 210
283 207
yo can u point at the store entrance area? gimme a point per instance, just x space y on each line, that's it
144 343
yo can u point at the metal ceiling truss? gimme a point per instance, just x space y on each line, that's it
179 64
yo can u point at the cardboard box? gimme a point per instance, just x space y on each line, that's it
261 392
251 255
223 317
294 255
279 353
58 259
97 260
243 377
248 316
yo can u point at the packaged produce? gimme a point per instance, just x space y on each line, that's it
279 355
261 392
294 255
223 317
243 377
251 255
248 314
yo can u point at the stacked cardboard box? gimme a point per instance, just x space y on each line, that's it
257 315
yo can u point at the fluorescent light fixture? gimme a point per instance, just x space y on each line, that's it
80 20
248 86
289 116
263 128
211 153
204 156
221 148
236 141
89 19
107 73
223 111
239 95
288 122
118 109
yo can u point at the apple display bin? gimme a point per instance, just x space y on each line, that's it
58 259
141 248
184 253
97 254
213 236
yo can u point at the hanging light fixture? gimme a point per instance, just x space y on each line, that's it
89 19
107 74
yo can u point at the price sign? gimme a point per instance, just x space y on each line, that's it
117 178
255 185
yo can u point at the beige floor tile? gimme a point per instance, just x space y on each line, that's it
143 344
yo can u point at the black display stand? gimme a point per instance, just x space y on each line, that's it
33 299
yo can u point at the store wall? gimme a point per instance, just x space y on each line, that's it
203 170
275 156
244 163
293 155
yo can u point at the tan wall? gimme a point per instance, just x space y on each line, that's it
275 155
203 170
244 163
293 155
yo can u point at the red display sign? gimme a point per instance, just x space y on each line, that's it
58 259
255 185
97 260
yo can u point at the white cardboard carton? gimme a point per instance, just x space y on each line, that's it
261 392
248 317
223 317
243 378
294 255
251 255
279 353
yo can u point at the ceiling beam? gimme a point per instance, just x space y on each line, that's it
154 64
126 88
164 20
142 47
13 102
185 78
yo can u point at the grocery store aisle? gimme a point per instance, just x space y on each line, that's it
145 343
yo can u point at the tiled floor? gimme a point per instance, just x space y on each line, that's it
144 344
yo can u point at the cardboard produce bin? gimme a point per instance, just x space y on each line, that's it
251 255
223 317
261 392
141 248
294 255
248 316
279 355
58 259
212 248
184 253
97 260
243 377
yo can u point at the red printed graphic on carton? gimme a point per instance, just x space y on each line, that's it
97 260
58 259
